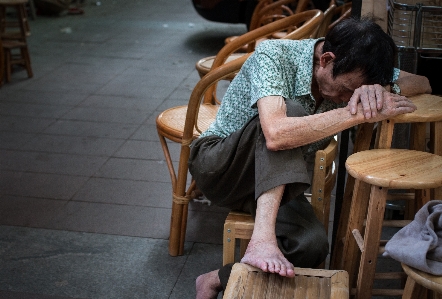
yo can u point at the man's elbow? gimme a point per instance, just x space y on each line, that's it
275 140
427 84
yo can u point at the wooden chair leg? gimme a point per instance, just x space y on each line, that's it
178 225
229 243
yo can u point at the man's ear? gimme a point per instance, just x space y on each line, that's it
326 58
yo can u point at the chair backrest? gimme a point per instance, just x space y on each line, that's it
307 24
344 12
324 179
193 107
266 10
328 16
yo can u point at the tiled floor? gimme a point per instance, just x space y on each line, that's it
85 196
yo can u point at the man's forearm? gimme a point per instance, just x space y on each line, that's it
292 132
411 84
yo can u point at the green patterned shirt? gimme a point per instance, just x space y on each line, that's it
277 68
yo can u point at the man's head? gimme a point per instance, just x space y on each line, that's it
361 45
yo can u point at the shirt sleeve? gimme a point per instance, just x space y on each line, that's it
266 72
396 72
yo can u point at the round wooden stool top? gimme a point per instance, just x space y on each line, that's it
429 109
426 280
396 168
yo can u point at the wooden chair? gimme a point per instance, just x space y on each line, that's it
306 23
380 170
332 16
418 282
249 282
328 17
183 124
267 11
239 225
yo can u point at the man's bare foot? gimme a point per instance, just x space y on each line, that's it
208 285
267 257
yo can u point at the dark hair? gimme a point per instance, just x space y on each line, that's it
361 44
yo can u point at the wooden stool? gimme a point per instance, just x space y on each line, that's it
429 110
418 281
249 282
380 169
14 44
21 58
20 28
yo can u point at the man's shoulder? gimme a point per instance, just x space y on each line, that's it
277 45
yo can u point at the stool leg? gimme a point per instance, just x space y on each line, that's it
372 235
8 65
436 144
358 209
27 59
363 139
413 290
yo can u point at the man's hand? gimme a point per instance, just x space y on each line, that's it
392 105
371 97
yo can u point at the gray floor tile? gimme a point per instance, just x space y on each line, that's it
21 295
137 149
135 169
126 192
122 102
87 145
203 258
56 186
33 110
24 124
43 97
51 162
14 140
114 219
29 211
107 115
84 265
146 132
91 129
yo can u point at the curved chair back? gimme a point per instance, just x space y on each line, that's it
307 24
328 16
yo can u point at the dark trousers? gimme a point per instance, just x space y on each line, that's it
234 171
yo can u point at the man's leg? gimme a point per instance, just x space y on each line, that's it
262 251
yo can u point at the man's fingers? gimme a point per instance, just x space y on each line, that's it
379 90
353 103
372 100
